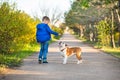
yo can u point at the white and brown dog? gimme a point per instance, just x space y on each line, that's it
66 52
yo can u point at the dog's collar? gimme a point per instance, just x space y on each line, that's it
62 49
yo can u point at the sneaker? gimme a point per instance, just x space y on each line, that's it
40 61
45 62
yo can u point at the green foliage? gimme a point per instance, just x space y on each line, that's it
89 21
104 29
59 30
84 3
16 29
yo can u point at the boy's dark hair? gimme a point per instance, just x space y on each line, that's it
45 18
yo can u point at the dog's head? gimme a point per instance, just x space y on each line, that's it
62 45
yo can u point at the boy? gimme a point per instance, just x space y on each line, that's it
43 36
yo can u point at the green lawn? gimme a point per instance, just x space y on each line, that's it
115 52
15 59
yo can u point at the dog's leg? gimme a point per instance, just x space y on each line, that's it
79 61
78 55
65 60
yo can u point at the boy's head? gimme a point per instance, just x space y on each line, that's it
46 19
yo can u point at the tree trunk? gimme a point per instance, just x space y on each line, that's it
94 33
112 31
118 16
91 33
119 39
81 31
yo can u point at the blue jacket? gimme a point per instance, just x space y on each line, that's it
44 32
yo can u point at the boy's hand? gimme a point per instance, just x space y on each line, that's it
57 35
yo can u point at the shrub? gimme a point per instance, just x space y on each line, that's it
17 29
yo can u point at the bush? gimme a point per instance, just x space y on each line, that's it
104 29
59 30
17 29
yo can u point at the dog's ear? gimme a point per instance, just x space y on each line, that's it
66 45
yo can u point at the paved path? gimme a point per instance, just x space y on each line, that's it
96 65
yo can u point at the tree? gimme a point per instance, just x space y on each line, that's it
54 13
88 14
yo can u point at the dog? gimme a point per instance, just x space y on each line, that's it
67 52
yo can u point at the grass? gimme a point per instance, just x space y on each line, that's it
113 51
15 59
2 69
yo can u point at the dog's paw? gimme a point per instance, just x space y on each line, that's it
64 63
79 62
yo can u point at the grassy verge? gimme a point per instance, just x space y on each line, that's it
14 59
113 51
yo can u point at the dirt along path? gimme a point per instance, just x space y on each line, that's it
96 65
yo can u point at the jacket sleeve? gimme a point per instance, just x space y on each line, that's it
37 27
50 31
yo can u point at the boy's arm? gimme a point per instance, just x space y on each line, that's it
50 31
37 27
